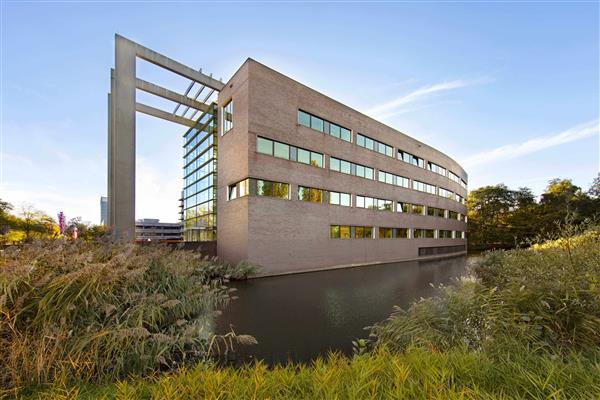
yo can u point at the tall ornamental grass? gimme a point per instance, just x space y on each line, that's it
103 310
414 374
546 298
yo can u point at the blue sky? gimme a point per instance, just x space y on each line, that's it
511 90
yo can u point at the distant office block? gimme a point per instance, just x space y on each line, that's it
149 229
104 211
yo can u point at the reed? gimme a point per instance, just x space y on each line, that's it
100 311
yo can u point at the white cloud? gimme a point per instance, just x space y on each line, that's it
511 151
397 105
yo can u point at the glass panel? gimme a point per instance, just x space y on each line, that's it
344 232
389 179
334 198
345 199
303 156
360 171
316 123
402 233
345 167
381 176
334 164
360 201
334 130
359 232
303 193
346 135
360 140
264 146
232 192
316 195
368 173
303 118
282 150
381 147
316 159
369 232
369 144
334 231
389 151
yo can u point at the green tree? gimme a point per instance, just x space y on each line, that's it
35 223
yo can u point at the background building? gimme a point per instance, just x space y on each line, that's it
104 210
149 229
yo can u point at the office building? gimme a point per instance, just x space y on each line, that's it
150 229
287 178
103 210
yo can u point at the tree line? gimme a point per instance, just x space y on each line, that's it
29 224
503 218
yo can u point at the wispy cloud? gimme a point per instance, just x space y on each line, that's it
398 105
515 150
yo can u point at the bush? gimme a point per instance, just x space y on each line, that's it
546 298
103 310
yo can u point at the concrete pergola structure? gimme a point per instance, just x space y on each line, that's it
122 107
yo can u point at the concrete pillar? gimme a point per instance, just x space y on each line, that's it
121 174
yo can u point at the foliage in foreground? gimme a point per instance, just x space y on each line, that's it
546 299
103 310
415 374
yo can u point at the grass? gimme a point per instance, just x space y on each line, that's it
525 325
414 374
93 312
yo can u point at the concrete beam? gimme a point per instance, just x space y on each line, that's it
155 112
170 95
174 66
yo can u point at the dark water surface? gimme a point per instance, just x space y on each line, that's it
299 317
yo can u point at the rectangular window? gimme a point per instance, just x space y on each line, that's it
303 156
334 231
375 145
453 215
453 177
344 232
401 233
424 187
411 159
445 193
402 207
321 125
436 212
444 234
227 116
310 194
272 189
340 199
264 146
316 159
346 167
316 123
304 118
385 233
436 168
417 209
235 190
281 150
424 233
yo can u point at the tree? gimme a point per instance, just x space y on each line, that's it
594 190
36 223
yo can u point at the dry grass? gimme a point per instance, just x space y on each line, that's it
100 311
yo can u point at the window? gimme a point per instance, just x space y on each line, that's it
285 151
453 215
436 168
392 179
423 187
424 233
227 113
304 118
445 193
417 209
455 178
411 159
402 207
443 234
272 189
375 204
264 146
460 199
346 167
321 125
436 212
463 184
459 235
372 144
385 233
350 232
235 190
340 199
310 194
281 150
401 233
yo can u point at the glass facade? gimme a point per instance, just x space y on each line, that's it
200 179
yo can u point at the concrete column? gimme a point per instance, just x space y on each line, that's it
121 179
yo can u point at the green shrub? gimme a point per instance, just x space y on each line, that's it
103 310
546 298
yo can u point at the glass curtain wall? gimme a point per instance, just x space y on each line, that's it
200 179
